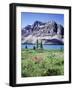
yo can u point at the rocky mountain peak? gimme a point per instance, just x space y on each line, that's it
44 31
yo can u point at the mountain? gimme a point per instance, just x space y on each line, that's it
49 32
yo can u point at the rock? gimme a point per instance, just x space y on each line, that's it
44 31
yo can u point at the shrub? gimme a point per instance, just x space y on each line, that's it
26 47
34 47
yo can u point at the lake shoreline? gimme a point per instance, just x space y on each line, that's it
45 46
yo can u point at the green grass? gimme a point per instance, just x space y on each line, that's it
42 62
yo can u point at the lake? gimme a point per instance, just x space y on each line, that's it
45 46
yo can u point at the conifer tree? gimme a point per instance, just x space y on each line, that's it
37 43
41 45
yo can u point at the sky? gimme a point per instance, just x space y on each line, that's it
28 18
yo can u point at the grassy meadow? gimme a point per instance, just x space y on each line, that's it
41 62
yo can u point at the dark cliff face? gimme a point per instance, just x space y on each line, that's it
41 29
49 28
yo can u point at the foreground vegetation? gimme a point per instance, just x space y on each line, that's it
41 62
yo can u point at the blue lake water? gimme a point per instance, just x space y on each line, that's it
45 46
